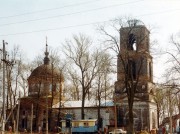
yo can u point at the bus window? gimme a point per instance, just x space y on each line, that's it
86 124
76 124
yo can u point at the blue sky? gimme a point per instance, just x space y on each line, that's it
27 22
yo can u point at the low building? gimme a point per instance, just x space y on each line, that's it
91 110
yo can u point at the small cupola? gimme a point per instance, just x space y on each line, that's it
46 58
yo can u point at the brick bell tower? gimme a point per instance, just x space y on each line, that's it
134 50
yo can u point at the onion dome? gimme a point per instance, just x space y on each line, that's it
45 76
44 72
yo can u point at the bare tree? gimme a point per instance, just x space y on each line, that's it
172 76
14 69
172 73
174 58
159 97
102 83
170 93
74 88
83 63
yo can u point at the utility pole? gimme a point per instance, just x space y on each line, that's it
4 109
46 90
59 115
31 117
46 111
115 111
17 125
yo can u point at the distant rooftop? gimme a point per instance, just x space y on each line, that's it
88 103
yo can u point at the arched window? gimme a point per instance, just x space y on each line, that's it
120 117
131 69
57 86
44 112
24 120
134 70
150 71
132 42
153 120
24 112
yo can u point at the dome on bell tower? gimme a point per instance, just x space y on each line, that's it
134 22
45 78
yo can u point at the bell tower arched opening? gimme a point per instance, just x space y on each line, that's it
132 42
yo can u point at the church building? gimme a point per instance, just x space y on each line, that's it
135 64
45 90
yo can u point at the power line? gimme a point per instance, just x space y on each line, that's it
161 12
85 11
53 29
85 24
45 10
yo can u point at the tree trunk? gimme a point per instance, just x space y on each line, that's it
131 123
130 104
158 112
83 103
99 110
82 109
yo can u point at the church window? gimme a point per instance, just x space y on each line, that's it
150 71
23 123
153 120
54 87
44 123
134 70
120 121
32 87
47 87
50 87
131 69
147 43
42 86
132 42
57 86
